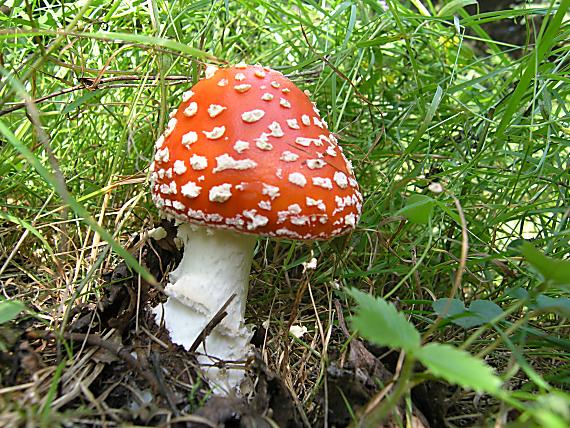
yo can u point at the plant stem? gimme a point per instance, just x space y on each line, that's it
377 415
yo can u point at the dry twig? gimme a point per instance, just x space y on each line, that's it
116 349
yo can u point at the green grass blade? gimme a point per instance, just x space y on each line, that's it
75 206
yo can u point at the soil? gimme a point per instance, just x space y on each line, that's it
125 370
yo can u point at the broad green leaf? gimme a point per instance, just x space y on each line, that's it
378 321
459 367
451 213
479 313
517 293
80 101
553 270
560 305
418 209
9 309
447 308
467 320
485 310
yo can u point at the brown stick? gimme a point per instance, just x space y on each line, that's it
116 349
216 319
88 83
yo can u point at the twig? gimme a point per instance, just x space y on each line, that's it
194 419
11 389
216 319
464 247
84 69
116 349
92 84
340 316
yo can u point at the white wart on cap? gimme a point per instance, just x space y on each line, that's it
243 130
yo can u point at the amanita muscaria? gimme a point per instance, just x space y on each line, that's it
245 154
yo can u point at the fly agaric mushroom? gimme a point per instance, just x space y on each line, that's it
245 154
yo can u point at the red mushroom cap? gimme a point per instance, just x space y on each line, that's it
247 150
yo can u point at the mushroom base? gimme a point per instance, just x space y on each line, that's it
216 264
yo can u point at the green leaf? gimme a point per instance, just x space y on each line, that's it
418 209
485 310
480 312
559 305
9 309
517 293
553 270
378 321
459 367
80 101
448 308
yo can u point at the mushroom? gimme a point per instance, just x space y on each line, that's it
245 155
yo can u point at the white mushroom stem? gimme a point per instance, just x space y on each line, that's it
215 265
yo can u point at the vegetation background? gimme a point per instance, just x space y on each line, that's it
456 117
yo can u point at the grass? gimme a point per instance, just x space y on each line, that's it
418 95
